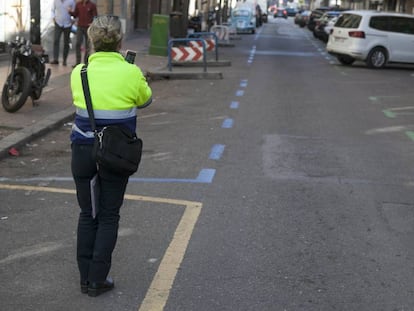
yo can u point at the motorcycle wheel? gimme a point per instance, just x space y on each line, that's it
14 95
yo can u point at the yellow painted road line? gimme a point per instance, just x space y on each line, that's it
159 290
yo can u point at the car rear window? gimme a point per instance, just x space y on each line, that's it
348 21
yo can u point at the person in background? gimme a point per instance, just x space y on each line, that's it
114 103
85 11
63 24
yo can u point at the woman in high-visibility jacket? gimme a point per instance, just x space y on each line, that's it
117 90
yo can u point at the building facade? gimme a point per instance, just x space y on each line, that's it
21 17
17 16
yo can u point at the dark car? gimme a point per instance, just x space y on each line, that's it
302 18
315 14
320 24
291 11
280 12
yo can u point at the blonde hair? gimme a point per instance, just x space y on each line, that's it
105 33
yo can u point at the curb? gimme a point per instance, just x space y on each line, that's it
28 133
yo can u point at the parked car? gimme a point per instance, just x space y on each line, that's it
320 24
280 12
315 14
329 26
374 37
291 11
243 19
302 18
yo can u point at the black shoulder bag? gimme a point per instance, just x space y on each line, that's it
116 148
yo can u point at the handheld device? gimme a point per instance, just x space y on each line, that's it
130 56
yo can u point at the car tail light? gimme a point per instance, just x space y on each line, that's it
357 34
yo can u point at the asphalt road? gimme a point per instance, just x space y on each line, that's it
288 185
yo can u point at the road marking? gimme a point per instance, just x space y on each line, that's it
410 135
240 93
243 83
393 112
379 98
161 285
33 250
251 56
227 123
389 129
216 152
234 105
205 175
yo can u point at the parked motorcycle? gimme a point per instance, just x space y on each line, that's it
28 75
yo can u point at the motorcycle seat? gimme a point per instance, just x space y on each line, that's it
38 49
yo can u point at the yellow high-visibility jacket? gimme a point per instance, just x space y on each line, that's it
117 89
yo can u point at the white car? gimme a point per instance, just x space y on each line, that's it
374 37
329 26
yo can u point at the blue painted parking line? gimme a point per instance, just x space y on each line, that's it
205 176
227 123
234 105
216 152
243 83
239 93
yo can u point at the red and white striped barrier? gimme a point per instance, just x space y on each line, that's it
209 43
187 53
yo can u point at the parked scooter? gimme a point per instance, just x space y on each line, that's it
28 75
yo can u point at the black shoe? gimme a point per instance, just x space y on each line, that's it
84 287
55 62
95 289
64 63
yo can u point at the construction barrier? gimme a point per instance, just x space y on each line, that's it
222 32
190 52
210 40
232 31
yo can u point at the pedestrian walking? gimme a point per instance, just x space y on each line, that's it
85 11
63 23
117 90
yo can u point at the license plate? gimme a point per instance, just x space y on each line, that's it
339 39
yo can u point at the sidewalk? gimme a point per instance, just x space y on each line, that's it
55 105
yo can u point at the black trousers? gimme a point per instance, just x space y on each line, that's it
96 236
56 42
82 36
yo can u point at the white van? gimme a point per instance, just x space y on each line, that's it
374 37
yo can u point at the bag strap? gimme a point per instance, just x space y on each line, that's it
87 94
